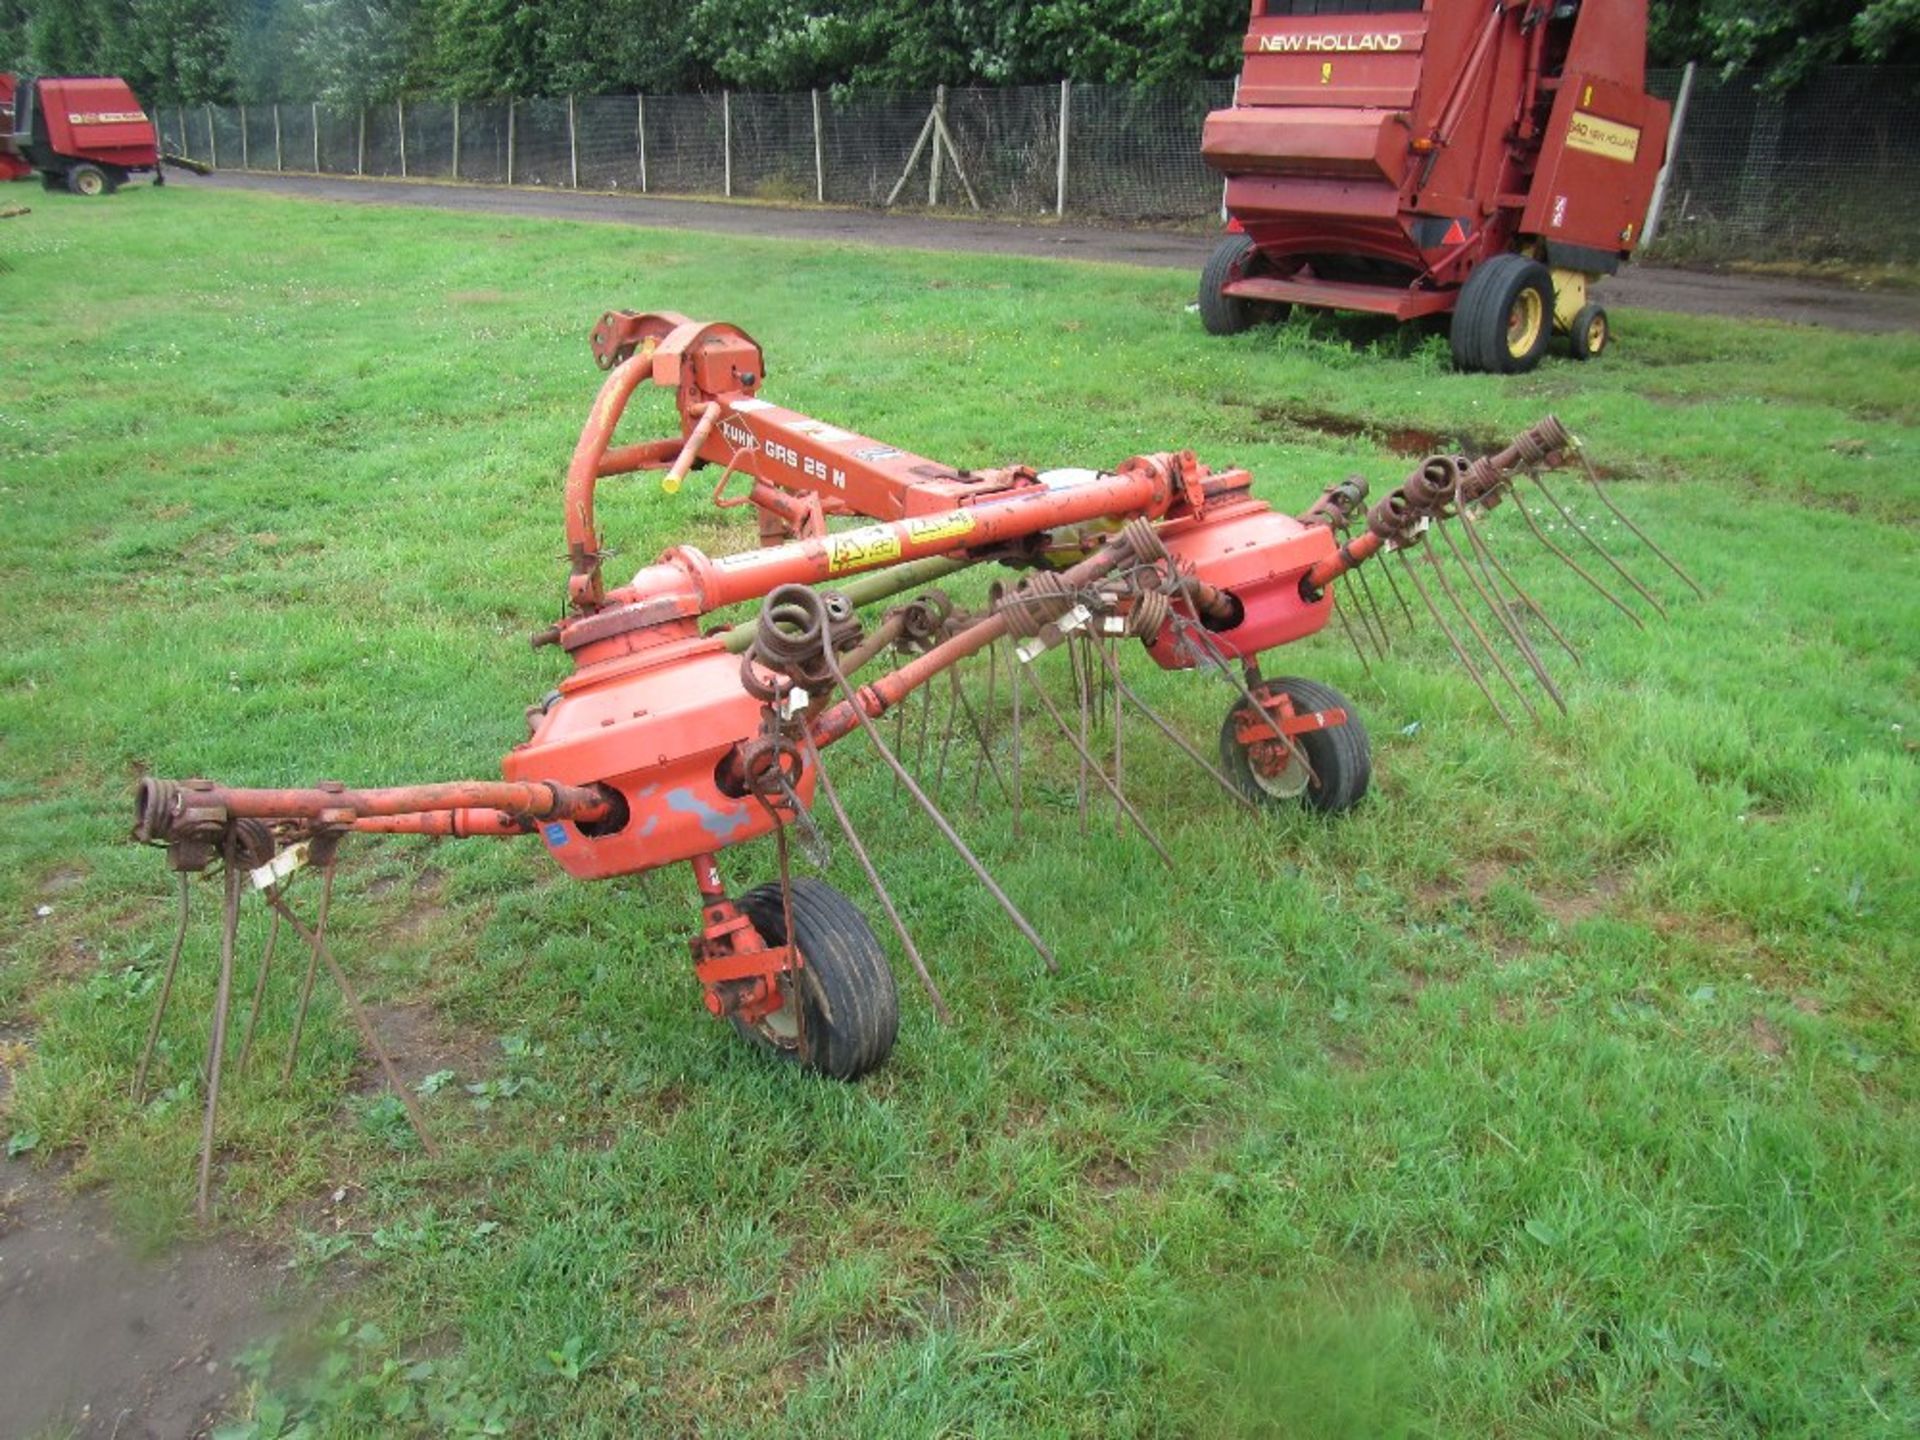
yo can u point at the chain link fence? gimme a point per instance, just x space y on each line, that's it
1821 173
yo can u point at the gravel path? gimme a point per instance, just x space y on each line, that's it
1747 297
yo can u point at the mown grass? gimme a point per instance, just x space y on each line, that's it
1567 1087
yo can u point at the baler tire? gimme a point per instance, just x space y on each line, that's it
89 180
1481 333
851 1009
1220 313
1590 333
1341 758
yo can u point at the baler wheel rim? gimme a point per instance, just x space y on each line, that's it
87 180
849 1009
1524 318
1590 332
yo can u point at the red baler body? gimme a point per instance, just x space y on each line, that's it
1375 159
56 125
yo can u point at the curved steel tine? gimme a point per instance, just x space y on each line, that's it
1593 479
1086 757
1459 651
260 986
1491 555
1506 620
1599 549
1493 654
229 927
880 891
1571 563
945 826
166 994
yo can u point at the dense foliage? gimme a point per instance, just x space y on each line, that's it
348 50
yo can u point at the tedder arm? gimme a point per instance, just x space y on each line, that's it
671 740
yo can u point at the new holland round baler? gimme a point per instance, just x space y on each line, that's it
87 134
1414 158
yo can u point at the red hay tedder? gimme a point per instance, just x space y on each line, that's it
674 739
1488 158
87 134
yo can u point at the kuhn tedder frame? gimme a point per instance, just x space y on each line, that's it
670 743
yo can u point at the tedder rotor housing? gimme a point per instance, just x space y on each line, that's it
1416 158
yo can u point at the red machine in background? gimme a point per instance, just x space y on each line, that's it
1488 158
86 133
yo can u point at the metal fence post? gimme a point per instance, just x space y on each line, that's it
279 156
933 166
213 141
640 122
726 139
1652 227
819 155
181 116
456 139
1060 178
400 114
245 162
315 105
510 105
573 147
360 159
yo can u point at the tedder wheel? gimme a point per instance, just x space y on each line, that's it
1338 756
1589 332
88 180
1505 316
1227 314
848 1011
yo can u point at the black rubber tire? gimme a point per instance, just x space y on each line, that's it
1223 314
1480 330
1341 758
1590 333
851 1010
89 180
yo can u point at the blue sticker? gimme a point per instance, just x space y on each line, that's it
556 834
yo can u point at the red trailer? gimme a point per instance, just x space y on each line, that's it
86 133
1488 158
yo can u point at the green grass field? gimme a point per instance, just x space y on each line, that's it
1567 1087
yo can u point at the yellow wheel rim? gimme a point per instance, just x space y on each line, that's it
1524 321
1596 334
91 185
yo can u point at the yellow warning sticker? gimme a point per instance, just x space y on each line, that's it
931 529
862 549
1603 137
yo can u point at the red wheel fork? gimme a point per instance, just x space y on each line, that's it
742 977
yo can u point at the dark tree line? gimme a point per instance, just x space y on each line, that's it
358 50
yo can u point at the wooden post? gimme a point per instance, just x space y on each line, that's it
1658 203
279 155
245 162
400 114
316 136
509 142
456 139
819 155
360 159
213 141
933 166
640 120
573 147
726 138
1060 178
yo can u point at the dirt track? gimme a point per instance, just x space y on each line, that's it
1686 291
